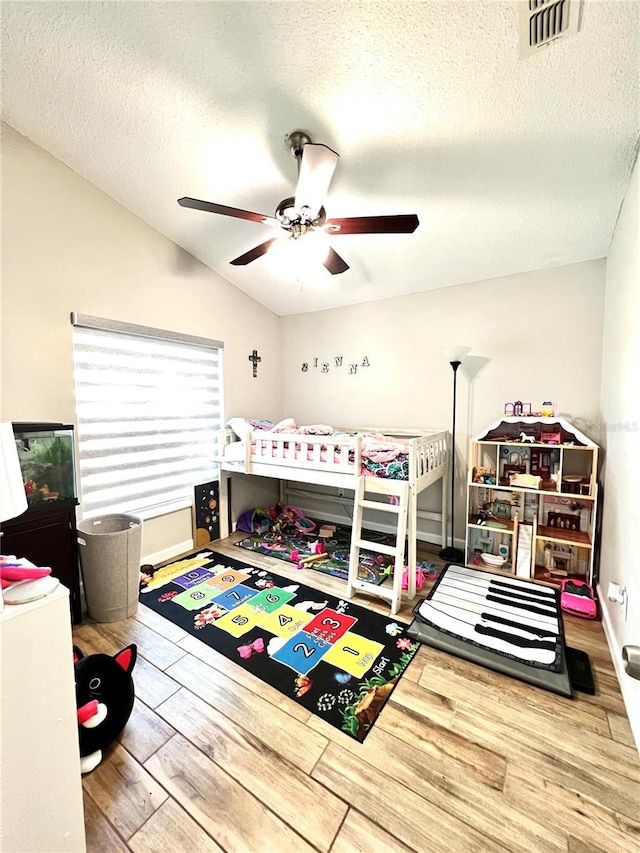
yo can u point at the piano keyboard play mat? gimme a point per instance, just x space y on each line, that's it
505 623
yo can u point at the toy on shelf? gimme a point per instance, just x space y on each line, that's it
104 700
484 475
526 481
518 409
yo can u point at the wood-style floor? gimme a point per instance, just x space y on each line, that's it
461 759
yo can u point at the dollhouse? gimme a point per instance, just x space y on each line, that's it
532 499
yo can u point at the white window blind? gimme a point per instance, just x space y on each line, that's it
149 407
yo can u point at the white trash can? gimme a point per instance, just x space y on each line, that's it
110 547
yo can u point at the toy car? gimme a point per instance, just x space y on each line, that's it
577 598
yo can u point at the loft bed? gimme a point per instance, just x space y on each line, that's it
324 456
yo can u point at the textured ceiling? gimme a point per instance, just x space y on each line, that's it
510 164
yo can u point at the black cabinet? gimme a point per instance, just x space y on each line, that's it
46 533
48 537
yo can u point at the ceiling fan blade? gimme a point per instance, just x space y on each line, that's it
253 254
402 224
212 207
317 166
334 263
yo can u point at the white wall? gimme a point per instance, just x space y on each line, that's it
68 247
540 333
621 417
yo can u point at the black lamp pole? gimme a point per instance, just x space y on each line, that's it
452 554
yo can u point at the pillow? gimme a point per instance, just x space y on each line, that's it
285 425
241 426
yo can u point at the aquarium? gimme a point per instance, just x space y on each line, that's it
46 455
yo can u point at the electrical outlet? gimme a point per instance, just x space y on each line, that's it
615 593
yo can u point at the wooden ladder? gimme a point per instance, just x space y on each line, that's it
400 489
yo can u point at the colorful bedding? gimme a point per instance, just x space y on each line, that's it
398 469
381 456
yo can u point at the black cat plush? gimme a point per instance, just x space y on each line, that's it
104 699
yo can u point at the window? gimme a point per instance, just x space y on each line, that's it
149 408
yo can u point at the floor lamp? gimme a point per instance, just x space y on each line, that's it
454 356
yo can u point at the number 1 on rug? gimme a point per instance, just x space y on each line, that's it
353 653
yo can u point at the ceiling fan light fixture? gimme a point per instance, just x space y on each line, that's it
298 223
299 259
317 165
304 214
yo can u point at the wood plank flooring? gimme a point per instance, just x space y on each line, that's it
461 759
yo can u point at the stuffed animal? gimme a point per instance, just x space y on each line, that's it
104 699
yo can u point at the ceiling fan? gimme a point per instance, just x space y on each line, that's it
304 213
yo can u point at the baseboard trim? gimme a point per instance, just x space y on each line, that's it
616 656
167 553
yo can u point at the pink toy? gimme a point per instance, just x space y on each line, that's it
577 597
12 571
423 571
419 578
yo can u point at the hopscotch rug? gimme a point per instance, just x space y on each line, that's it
508 624
338 660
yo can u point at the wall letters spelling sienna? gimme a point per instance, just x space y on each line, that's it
325 366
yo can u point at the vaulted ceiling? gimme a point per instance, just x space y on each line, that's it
511 164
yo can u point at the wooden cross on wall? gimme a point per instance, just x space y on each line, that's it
255 358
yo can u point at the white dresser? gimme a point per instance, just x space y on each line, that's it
40 782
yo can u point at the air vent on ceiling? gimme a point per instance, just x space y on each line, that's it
543 21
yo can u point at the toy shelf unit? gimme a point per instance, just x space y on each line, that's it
532 499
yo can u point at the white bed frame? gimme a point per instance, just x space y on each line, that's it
265 456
